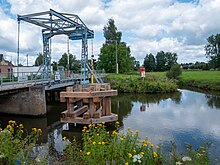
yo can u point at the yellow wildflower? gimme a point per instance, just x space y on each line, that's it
103 123
144 144
94 143
129 155
126 163
151 144
88 153
134 151
83 130
10 128
12 122
84 127
21 126
97 134
114 133
80 150
34 130
87 131
90 125
121 139
99 143
64 138
103 143
137 131
142 153
107 132
39 131
117 123
157 146
155 154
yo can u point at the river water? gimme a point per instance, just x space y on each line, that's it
183 117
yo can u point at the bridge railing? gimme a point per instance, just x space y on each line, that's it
7 78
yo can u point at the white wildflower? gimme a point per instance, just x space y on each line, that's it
136 158
2 155
186 158
179 163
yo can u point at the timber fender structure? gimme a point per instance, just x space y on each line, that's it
88 104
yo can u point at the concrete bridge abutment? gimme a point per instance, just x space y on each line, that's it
26 101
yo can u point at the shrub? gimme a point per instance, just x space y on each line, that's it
100 146
174 72
16 145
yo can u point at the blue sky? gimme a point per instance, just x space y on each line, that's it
180 26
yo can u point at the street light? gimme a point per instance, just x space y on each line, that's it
116 56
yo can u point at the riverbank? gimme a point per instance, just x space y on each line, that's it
205 80
136 84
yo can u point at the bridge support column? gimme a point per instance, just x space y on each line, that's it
25 102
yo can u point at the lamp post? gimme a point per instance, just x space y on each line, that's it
116 50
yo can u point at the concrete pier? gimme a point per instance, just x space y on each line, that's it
27 101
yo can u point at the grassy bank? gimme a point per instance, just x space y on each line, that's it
207 80
136 84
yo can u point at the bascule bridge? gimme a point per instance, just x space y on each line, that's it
25 93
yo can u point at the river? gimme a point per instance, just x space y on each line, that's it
184 117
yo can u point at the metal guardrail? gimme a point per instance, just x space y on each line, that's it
10 78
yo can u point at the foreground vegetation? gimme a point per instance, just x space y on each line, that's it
198 79
98 146
136 84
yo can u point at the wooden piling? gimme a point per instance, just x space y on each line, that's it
88 104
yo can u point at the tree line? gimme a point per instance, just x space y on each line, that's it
161 62
74 64
113 49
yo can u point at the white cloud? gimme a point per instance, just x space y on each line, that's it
154 25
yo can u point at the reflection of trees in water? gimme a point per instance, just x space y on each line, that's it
123 103
213 101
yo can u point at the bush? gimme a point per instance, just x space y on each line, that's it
100 146
174 72
16 145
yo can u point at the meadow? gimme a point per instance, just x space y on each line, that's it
207 80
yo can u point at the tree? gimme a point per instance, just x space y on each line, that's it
149 62
212 50
107 56
174 72
39 60
110 32
171 59
73 63
55 64
161 61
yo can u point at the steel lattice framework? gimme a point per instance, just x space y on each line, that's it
55 23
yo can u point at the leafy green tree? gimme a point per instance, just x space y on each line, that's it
161 61
174 72
212 50
107 56
39 60
110 32
171 59
55 64
149 62
73 63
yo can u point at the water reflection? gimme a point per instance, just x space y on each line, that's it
213 101
183 117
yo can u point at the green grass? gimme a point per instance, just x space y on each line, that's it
203 76
198 79
125 83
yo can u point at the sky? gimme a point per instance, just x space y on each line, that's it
147 26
